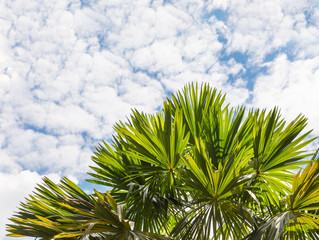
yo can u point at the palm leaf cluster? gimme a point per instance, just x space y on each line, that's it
64 211
199 169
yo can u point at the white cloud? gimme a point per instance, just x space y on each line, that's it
69 118
217 4
261 27
8 163
135 92
161 56
293 86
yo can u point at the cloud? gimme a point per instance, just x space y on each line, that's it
161 56
292 86
8 163
261 27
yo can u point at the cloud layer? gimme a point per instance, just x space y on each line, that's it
70 69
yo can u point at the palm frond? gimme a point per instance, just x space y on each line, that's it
66 212
300 218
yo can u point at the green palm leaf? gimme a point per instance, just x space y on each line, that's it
215 176
66 212
299 219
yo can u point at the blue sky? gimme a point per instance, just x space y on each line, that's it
69 70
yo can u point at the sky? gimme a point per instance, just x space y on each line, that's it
69 70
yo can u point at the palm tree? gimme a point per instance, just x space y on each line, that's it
198 169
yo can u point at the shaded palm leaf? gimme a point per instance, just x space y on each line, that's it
66 212
300 218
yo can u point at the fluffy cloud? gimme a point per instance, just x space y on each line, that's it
261 27
291 85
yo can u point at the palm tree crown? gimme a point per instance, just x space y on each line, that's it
199 169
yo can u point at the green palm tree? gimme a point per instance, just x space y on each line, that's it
198 169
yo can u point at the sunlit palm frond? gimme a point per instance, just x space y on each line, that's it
152 146
195 103
277 152
215 176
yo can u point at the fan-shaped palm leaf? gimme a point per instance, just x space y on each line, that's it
66 212
215 176
299 219
145 166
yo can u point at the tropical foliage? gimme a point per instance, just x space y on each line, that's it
199 169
